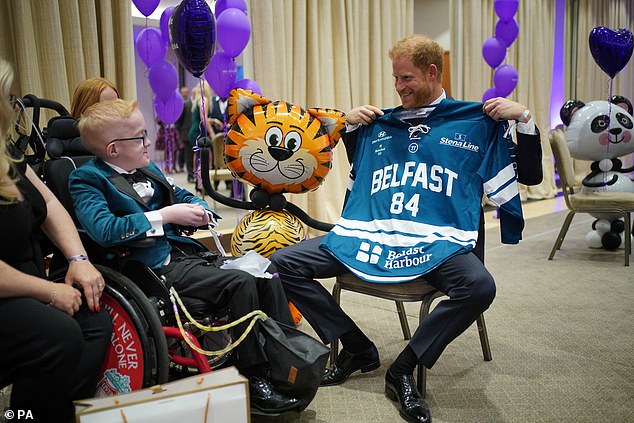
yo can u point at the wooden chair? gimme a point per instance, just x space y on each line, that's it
621 203
417 290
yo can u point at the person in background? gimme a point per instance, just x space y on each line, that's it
89 92
405 145
201 112
183 124
121 196
168 141
218 113
54 337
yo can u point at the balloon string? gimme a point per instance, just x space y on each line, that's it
202 131
170 148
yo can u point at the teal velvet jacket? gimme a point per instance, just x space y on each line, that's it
112 213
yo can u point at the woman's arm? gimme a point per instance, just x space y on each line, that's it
60 229
14 283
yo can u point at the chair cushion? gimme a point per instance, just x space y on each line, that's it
415 290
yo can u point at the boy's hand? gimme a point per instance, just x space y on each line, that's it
185 214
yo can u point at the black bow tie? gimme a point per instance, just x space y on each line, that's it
136 176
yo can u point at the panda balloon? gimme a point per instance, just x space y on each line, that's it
602 131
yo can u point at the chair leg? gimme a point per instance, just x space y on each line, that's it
407 335
421 382
484 338
562 234
334 344
628 237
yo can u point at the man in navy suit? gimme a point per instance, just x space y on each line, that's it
417 72
121 196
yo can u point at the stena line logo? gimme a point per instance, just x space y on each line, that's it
459 141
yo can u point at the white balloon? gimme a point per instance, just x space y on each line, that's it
602 226
594 239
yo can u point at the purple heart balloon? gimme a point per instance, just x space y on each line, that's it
611 49
193 34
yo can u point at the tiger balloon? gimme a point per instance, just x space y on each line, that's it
277 146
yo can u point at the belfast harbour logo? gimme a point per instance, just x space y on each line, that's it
403 258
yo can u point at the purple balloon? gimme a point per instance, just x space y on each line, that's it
493 51
149 46
165 23
163 79
234 31
146 7
505 9
506 31
248 84
611 49
169 111
193 35
490 93
221 5
221 73
505 80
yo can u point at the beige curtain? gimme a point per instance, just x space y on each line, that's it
591 83
326 53
531 55
54 44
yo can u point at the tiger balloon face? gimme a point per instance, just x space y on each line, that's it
277 146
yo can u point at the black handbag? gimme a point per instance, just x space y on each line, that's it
296 359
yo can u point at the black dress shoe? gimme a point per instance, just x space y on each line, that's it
347 363
411 406
265 399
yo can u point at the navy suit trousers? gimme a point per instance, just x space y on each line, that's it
463 278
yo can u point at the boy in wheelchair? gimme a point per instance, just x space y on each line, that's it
121 196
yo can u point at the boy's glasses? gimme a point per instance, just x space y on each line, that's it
142 138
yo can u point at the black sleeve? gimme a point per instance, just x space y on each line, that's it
350 142
529 158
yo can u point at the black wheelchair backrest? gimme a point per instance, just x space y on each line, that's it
62 138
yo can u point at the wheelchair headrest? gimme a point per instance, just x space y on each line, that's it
62 138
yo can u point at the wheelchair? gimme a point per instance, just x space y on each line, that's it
146 347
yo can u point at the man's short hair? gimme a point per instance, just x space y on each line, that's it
422 50
97 119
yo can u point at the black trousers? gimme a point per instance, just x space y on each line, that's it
188 158
236 290
49 357
463 278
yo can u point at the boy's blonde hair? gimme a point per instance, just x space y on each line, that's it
97 119
422 50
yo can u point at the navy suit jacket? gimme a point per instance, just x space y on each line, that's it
112 213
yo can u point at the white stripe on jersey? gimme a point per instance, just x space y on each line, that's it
382 279
382 231
505 195
502 178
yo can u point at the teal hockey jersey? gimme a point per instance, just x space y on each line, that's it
415 191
